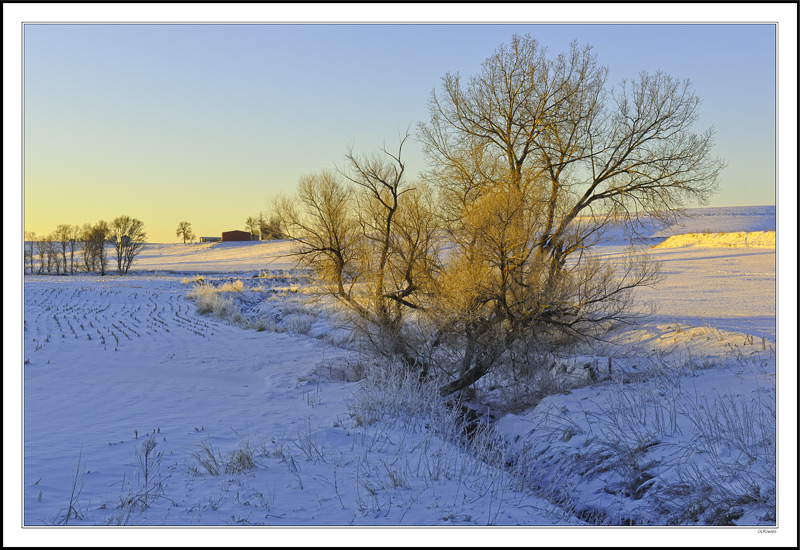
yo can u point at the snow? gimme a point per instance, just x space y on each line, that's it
727 288
113 362
723 220
216 257
738 239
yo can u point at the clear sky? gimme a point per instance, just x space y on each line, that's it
205 123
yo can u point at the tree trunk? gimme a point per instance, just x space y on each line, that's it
482 366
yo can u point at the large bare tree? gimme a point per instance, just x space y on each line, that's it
532 161
127 236
535 158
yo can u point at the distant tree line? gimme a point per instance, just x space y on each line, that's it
72 249
267 226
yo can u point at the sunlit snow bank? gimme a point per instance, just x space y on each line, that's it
739 239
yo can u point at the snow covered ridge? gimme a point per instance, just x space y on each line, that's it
739 239
723 220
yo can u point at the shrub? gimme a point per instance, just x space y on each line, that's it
209 299
195 279
207 458
210 460
235 286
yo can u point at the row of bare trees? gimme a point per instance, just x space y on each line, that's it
488 259
72 249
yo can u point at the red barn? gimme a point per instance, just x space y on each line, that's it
235 236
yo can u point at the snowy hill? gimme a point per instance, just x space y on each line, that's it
215 257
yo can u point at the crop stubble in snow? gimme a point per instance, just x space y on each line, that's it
153 367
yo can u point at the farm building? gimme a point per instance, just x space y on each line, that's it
236 235
210 239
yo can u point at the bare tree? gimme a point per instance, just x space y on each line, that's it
42 252
185 230
64 239
89 260
526 116
534 160
93 240
54 255
269 226
252 224
48 256
322 223
73 238
99 237
370 235
261 224
397 247
61 237
127 236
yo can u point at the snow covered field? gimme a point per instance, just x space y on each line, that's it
141 410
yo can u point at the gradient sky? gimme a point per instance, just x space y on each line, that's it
205 123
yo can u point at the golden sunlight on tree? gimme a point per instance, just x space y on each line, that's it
531 162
